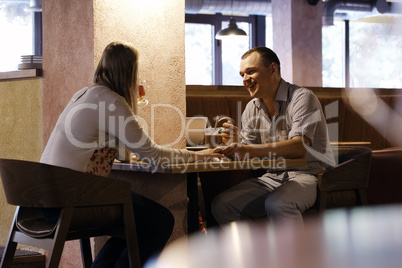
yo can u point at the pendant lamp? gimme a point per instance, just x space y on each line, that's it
231 30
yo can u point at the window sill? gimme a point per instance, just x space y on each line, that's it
21 74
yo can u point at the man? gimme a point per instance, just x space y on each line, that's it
282 120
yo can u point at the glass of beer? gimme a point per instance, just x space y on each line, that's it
142 88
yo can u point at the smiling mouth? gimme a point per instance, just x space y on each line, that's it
251 87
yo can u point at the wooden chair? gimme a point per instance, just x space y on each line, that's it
31 186
348 180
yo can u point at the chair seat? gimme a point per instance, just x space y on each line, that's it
36 227
31 222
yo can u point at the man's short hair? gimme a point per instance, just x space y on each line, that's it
266 54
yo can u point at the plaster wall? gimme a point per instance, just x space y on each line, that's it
307 44
156 28
297 41
68 58
20 132
75 34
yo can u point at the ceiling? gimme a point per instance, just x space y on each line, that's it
341 9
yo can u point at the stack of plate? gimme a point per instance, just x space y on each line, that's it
30 62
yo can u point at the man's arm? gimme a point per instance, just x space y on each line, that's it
293 148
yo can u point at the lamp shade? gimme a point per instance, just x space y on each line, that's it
231 30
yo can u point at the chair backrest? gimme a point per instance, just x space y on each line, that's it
350 173
32 184
347 153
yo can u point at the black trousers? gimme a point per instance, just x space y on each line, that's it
154 226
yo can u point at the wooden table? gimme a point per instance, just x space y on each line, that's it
192 169
212 166
209 166
369 237
352 143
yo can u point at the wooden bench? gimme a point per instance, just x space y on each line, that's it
212 101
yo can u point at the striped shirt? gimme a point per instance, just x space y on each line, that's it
298 113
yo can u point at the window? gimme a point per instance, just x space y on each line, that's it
333 60
374 45
269 40
22 27
232 50
377 47
213 62
199 54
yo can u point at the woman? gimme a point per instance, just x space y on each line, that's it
86 139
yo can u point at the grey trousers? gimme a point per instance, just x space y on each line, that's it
273 195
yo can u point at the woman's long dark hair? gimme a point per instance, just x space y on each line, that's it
117 69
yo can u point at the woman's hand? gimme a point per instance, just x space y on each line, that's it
205 155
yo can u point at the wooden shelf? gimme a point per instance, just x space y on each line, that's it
21 74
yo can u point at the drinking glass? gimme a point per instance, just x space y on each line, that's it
143 87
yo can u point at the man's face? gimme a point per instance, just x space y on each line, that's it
257 78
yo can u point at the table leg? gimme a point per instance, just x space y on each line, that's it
193 206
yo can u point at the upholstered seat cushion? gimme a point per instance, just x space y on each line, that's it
31 222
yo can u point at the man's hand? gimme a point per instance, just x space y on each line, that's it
230 133
235 151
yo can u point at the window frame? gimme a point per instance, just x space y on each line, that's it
38 33
257 36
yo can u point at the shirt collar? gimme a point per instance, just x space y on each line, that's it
281 94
